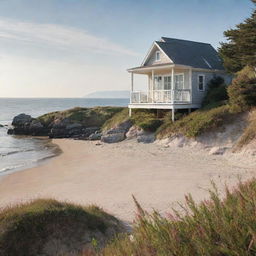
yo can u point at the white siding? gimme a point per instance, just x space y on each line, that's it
197 96
152 58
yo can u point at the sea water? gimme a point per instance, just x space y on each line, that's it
21 152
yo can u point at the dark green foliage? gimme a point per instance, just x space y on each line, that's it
26 229
217 91
242 92
150 125
214 227
240 49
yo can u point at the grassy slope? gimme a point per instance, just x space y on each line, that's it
249 133
144 119
196 123
96 116
28 229
211 228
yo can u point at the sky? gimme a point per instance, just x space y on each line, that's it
69 48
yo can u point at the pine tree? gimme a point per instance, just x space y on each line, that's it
240 50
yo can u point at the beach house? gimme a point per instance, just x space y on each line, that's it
178 72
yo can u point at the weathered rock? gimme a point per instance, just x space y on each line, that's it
95 136
116 134
217 151
1 125
133 132
145 137
113 137
21 120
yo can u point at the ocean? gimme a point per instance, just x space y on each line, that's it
21 152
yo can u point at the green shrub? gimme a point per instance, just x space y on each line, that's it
217 91
242 91
214 227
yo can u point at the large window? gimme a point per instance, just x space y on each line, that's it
167 82
158 83
201 82
157 55
179 82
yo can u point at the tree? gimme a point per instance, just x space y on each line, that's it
240 50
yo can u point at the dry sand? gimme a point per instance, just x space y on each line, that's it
108 175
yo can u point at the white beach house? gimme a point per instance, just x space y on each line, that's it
178 72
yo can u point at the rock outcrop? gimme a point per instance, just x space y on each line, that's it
26 125
116 134
59 128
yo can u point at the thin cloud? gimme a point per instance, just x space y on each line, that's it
62 37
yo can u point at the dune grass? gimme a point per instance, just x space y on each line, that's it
213 227
143 118
249 133
196 123
46 226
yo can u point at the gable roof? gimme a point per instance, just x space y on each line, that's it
190 53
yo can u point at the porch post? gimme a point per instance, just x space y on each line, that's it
190 83
172 96
130 112
153 85
131 87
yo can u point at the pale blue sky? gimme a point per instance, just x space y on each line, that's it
68 48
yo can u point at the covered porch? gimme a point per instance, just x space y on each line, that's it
168 87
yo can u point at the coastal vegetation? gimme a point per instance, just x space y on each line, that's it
212 227
95 116
49 227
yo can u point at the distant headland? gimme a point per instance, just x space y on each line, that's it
109 94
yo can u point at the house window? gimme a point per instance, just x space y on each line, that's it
158 83
167 82
157 55
179 81
201 79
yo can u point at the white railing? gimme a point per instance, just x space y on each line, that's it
139 97
161 96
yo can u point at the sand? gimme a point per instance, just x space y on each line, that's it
107 175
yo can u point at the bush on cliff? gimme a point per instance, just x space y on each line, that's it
48 227
214 227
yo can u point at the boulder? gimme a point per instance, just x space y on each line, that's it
133 132
1 125
145 137
116 134
113 137
21 120
95 136
217 151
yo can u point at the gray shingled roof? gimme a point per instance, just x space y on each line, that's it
195 54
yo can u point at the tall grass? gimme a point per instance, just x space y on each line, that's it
211 228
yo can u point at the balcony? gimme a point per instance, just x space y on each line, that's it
161 96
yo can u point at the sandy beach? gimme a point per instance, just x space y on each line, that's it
108 174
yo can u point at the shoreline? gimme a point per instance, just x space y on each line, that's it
109 174
51 150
